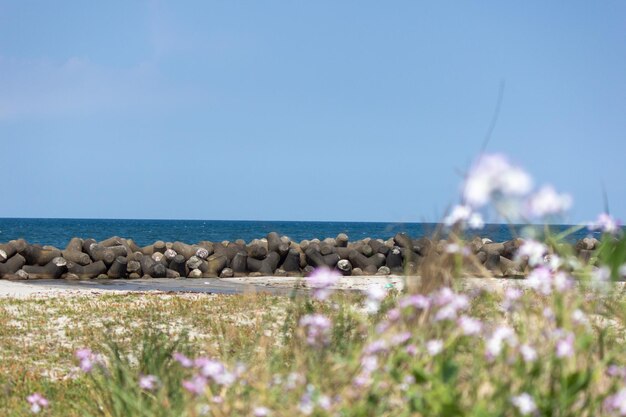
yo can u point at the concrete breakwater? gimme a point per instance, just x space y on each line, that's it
117 257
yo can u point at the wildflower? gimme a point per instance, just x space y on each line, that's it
616 371
261 412
183 360
495 343
321 280
37 402
375 347
458 214
524 404
561 281
494 176
195 385
578 317
553 261
148 382
602 274
317 329
307 405
434 347
511 295
87 359
547 202
375 295
528 353
533 250
617 402
469 325
463 216
400 338
411 350
548 313
369 363
606 224
417 301
324 402
214 370
540 279
565 346
450 304
475 221
394 315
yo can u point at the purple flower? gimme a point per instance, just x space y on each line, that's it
183 360
195 385
369 363
606 224
400 338
375 347
469 325
565 345
540 279
411 350
617 402
417 301
87 359
321 279
450 303
317 329
148 382
37 402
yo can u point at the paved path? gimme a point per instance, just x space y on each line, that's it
272 285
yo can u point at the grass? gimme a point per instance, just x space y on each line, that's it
261 334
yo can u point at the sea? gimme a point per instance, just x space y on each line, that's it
58 232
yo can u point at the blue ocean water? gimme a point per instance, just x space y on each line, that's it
58 232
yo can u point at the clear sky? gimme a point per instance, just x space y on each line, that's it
303 110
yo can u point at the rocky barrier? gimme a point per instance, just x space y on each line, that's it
273 255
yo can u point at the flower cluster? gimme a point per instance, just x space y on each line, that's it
317 328
37 402
87 359
321 280
493 178
207 371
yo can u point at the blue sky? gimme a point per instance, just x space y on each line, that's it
325 110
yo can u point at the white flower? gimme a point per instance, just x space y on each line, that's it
500 335
261 412
533 250
605 223
469 325
547 202
476 221
491 176
528 353
541 280
524 403
457 214
434 347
